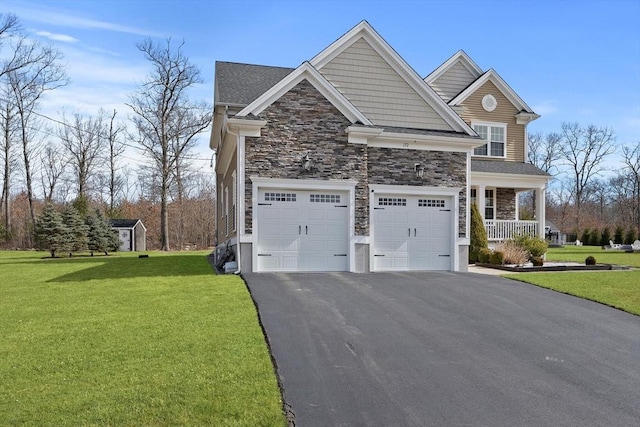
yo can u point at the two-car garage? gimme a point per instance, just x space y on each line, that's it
309 230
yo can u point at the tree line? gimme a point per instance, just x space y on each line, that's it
593 194
79 158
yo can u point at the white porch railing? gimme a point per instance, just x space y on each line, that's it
499 230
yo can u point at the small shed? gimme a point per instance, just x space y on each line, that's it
132 234
553 234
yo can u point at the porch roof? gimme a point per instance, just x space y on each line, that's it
502 167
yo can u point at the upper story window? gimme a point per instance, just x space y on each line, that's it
495 134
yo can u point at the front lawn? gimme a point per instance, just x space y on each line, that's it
120 340
620 289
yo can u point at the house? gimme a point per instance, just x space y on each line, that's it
132 234
353 162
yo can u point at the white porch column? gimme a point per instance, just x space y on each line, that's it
481 201
540 211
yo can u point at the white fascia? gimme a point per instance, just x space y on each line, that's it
506 180
376 137
306 72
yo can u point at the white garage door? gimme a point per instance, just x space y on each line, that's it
412 232
302 230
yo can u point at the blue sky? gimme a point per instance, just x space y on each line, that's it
569 60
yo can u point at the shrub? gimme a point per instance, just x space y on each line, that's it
618 236
590 260
594 237
478 234
606 236
535 246
513 253
631 236
537 261
585 236
484 255
497 258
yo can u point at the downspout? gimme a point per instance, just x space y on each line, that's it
236 213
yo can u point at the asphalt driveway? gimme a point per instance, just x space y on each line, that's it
446 349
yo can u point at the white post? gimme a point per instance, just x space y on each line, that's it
540 211
480 199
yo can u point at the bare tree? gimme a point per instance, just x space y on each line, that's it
631 159
8 155
166 120
116 148
53 168
544 151
82 139
40 72
584 152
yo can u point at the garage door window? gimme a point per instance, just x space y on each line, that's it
280 197
324 198
431 203
391 201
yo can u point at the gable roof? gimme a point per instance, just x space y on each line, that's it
494 78
364 31
124 223
305 72
239 84
460 57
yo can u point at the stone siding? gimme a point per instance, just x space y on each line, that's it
303 122
506 203
441 169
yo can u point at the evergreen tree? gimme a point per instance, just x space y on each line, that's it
77 229
618 236
100 235
51 232
478 234
631 236
594 237
584 237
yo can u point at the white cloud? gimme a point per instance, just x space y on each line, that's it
57 37
45 15
545 107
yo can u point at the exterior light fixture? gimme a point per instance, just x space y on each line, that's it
307 163
419 170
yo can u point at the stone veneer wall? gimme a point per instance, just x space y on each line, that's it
303 122
441 169
506 204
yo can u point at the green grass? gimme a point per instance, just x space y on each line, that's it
120 340
619 289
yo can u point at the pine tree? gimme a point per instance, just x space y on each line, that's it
606 237
478 234
100 235
618 236
51 232
77 229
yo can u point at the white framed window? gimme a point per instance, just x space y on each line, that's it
489 204
496 136
226 207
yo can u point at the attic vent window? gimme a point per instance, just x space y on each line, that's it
489 103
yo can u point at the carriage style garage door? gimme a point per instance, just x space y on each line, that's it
302 230
412 232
